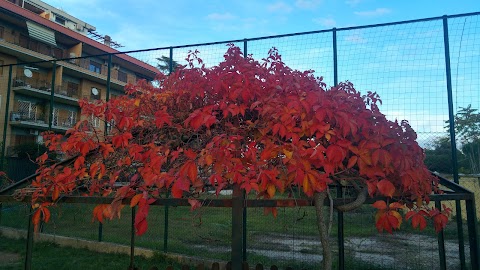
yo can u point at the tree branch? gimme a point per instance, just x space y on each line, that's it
361 198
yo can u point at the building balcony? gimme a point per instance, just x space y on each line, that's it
27 53
76 67
63 123
66 93
83 68
28 119
62 120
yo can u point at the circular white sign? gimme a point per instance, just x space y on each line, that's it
94 91
27 73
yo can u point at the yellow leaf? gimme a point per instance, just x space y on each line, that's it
271 190
306 184
378 215
287 153
135 200
137 102
398 217
208 160
56 193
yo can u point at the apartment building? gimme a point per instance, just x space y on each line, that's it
33 31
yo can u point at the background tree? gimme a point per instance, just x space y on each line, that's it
164 64
259 125
467 127
439 159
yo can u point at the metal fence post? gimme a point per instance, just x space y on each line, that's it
165 229
335 60
28 255
340 231
100 231
441 244
453 145
5 124
244 216
52 95
170 64
107 94
109 74
473 233
237 222
132 241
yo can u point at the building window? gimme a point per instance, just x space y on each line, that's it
94 121
72 118
72 89
95 67
60 20
122 76
56 112
57 53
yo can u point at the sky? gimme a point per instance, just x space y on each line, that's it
139 24
404 63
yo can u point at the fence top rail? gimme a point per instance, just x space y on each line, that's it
256 38
227 202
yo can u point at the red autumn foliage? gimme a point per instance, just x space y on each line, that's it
260 125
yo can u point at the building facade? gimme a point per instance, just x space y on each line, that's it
33 31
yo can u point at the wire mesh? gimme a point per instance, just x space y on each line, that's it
404 63
288 240
304 52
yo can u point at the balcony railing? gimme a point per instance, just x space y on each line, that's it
66 122
85 64
40 47
68 89
23 116
42 84
58 53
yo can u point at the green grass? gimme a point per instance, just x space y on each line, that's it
207 233
50 256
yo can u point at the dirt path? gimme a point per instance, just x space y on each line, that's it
10 259
397 251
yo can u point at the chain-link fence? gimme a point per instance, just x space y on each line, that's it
426 71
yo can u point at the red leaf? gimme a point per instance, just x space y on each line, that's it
396 205
141 227
56 193
84 149
106 149
79 162
194 204
36 217
372 187
162 118
419 221
45 214
190 154
42 158
180 185
386 188
335 153
440 222
380 205
381 156
352 161
176 191
135 200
